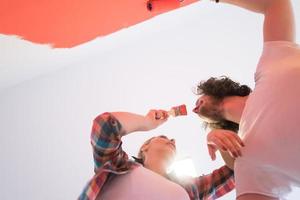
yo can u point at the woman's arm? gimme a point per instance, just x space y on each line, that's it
132 122
213 185
108 129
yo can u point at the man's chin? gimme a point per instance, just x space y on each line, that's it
206 119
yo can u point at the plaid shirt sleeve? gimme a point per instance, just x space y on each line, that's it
106 142
108 154
211 186
216 184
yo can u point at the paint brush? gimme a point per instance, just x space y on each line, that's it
175 111
178 111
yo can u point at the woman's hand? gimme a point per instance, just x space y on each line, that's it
155 118
224 140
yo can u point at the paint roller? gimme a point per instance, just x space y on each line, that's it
163 5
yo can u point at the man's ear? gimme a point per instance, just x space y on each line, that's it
145 148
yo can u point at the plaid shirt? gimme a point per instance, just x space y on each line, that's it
111 160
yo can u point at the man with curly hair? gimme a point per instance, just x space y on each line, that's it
216 90
267 117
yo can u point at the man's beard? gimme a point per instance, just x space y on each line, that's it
212 112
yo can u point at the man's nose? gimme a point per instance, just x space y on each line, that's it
199 103
173 141
195 110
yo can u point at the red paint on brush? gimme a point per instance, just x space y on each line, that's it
180 110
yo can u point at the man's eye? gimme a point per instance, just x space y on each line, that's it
162 136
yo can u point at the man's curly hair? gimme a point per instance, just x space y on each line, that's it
219 88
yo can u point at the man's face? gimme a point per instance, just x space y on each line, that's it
209 109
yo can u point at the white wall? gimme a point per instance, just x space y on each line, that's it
45 122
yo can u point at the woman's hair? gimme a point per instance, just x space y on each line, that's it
219 88
140 157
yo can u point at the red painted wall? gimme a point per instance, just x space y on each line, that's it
67 23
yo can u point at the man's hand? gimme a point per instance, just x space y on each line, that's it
224 140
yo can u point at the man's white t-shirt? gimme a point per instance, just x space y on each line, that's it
142 184
270 123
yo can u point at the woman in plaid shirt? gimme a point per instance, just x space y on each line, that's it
117 177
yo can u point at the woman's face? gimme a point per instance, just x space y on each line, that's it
161 146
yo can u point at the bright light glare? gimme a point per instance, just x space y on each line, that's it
183 168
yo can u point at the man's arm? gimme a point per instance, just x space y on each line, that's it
229 161
227 142
279 21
